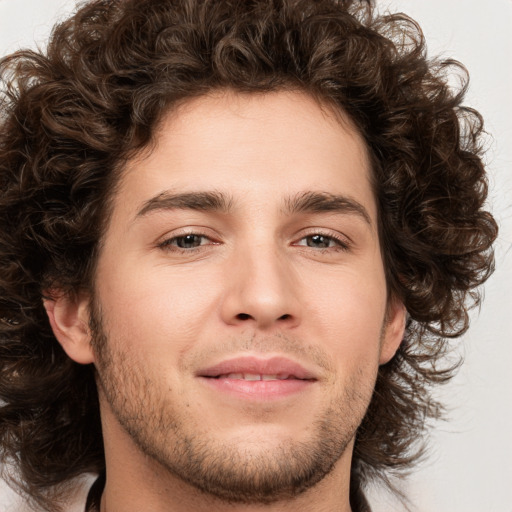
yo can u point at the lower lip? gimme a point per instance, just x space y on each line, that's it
258 389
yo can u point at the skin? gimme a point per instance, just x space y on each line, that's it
267 275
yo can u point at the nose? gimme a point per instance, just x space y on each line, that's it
262 290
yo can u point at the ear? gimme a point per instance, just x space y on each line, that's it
393 330
69 320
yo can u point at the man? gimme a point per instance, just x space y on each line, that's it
235 236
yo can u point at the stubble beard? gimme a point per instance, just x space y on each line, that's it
229 472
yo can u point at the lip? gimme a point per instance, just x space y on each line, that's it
256 365
224 377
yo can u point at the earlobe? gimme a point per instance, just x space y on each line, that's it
69 320
393 331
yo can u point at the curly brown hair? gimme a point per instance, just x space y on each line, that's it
72 116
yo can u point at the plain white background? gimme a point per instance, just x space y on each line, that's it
469 468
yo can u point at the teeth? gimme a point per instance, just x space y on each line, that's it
238 376
254 376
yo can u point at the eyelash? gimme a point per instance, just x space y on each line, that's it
341 243
167 244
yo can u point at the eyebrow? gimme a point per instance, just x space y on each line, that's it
318 202
204 201
306 202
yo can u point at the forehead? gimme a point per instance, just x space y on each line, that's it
280 144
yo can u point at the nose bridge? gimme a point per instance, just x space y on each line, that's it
262 286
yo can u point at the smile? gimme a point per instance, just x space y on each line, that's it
260 379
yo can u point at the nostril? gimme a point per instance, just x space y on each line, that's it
246 316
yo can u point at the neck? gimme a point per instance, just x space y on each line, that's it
116 499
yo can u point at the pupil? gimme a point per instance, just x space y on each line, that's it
318 241
188 241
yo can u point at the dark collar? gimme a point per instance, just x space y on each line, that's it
94 497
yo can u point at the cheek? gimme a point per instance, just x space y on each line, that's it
156 307
349 317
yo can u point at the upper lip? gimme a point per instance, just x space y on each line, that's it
258 365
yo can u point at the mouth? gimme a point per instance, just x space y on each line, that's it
255 378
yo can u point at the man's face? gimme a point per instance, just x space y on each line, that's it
241 304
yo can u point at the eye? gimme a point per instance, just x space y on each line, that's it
322 241
184 242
